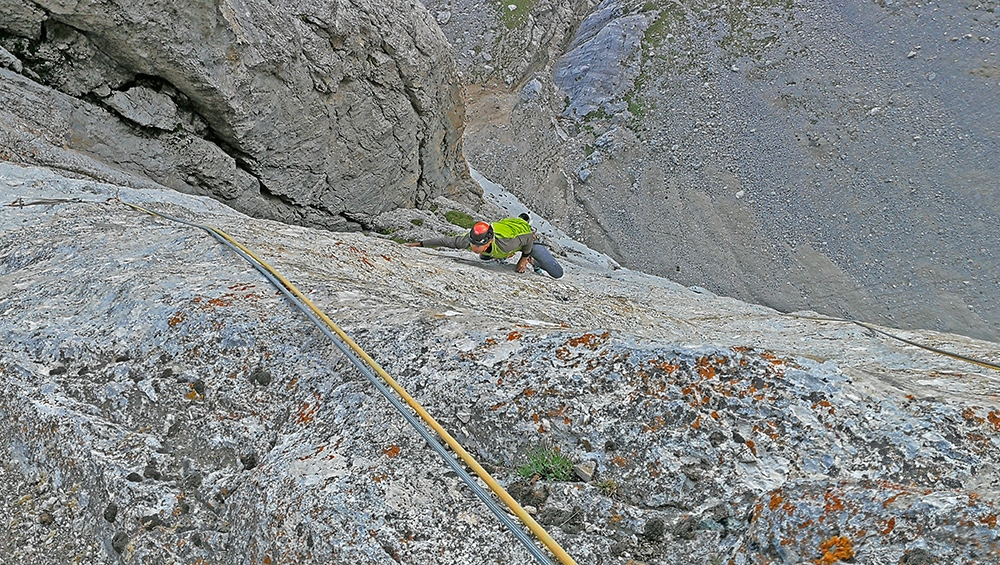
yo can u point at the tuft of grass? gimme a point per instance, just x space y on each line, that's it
417 222
547 463
608 487
460 219
516 17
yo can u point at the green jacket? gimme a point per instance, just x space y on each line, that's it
510 236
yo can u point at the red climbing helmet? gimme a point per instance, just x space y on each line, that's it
481 233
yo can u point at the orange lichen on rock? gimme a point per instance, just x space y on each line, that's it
833 503
307 413
589 340
658 423
837 548
772 358
994 418
776 501
667 367
970 415
177 318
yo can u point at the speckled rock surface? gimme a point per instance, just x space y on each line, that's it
164 404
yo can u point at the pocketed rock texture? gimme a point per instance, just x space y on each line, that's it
162 403
322 114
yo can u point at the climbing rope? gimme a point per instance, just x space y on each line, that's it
974 361
368 368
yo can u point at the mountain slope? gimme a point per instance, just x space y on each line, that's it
838 157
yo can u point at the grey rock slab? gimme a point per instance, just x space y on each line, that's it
708 414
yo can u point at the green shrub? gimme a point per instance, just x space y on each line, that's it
417 222
547 463
460 219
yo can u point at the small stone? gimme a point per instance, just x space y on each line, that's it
917 557
119 542
685 528
134 477
193 480
150 472
585 471
261 376
45 519
654 529
249 461
150 522
111 512
528 495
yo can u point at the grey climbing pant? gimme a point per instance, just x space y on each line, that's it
544 260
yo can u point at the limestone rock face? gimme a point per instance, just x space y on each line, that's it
162 402
322 113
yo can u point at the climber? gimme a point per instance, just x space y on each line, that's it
499 241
